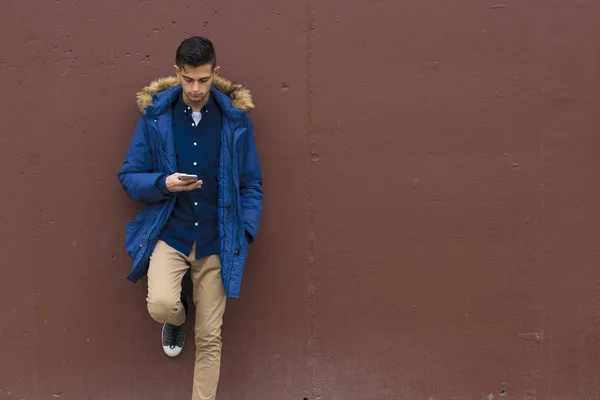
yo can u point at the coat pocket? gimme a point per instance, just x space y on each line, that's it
134 236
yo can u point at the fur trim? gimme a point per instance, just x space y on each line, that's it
240 95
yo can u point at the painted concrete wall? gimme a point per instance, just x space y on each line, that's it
431 225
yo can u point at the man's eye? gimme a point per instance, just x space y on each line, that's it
203 80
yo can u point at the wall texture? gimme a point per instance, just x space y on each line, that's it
431 226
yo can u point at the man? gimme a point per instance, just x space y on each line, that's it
193 124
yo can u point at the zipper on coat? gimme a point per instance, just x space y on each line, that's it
235 203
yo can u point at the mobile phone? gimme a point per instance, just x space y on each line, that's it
188 177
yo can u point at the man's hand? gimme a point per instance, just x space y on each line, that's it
175 184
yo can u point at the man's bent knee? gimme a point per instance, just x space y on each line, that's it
162 310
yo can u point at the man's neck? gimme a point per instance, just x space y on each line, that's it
196 107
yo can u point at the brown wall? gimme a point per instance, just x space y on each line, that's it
431 228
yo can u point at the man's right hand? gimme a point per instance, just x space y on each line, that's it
175 184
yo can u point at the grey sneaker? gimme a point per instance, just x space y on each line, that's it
173 337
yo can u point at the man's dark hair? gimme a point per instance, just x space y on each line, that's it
195 51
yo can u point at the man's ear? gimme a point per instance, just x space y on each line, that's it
216 71
177 71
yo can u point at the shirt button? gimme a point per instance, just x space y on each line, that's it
192 124
195 163
196 224
195 144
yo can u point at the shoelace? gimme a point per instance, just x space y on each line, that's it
174 335
179 335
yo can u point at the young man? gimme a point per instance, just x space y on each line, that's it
193 124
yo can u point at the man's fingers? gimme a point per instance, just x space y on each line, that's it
191 186
195 185
186 182
176 184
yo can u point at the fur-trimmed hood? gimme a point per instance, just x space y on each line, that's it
240 96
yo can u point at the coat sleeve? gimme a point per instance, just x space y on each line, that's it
136 175
251 192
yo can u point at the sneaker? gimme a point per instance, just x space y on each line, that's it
173 337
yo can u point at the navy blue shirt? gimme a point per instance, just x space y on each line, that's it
194 217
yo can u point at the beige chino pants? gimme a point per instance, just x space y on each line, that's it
166 271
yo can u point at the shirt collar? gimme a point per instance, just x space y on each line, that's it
181 107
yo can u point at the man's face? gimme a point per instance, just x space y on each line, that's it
196 81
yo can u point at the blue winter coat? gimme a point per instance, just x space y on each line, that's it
152 154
